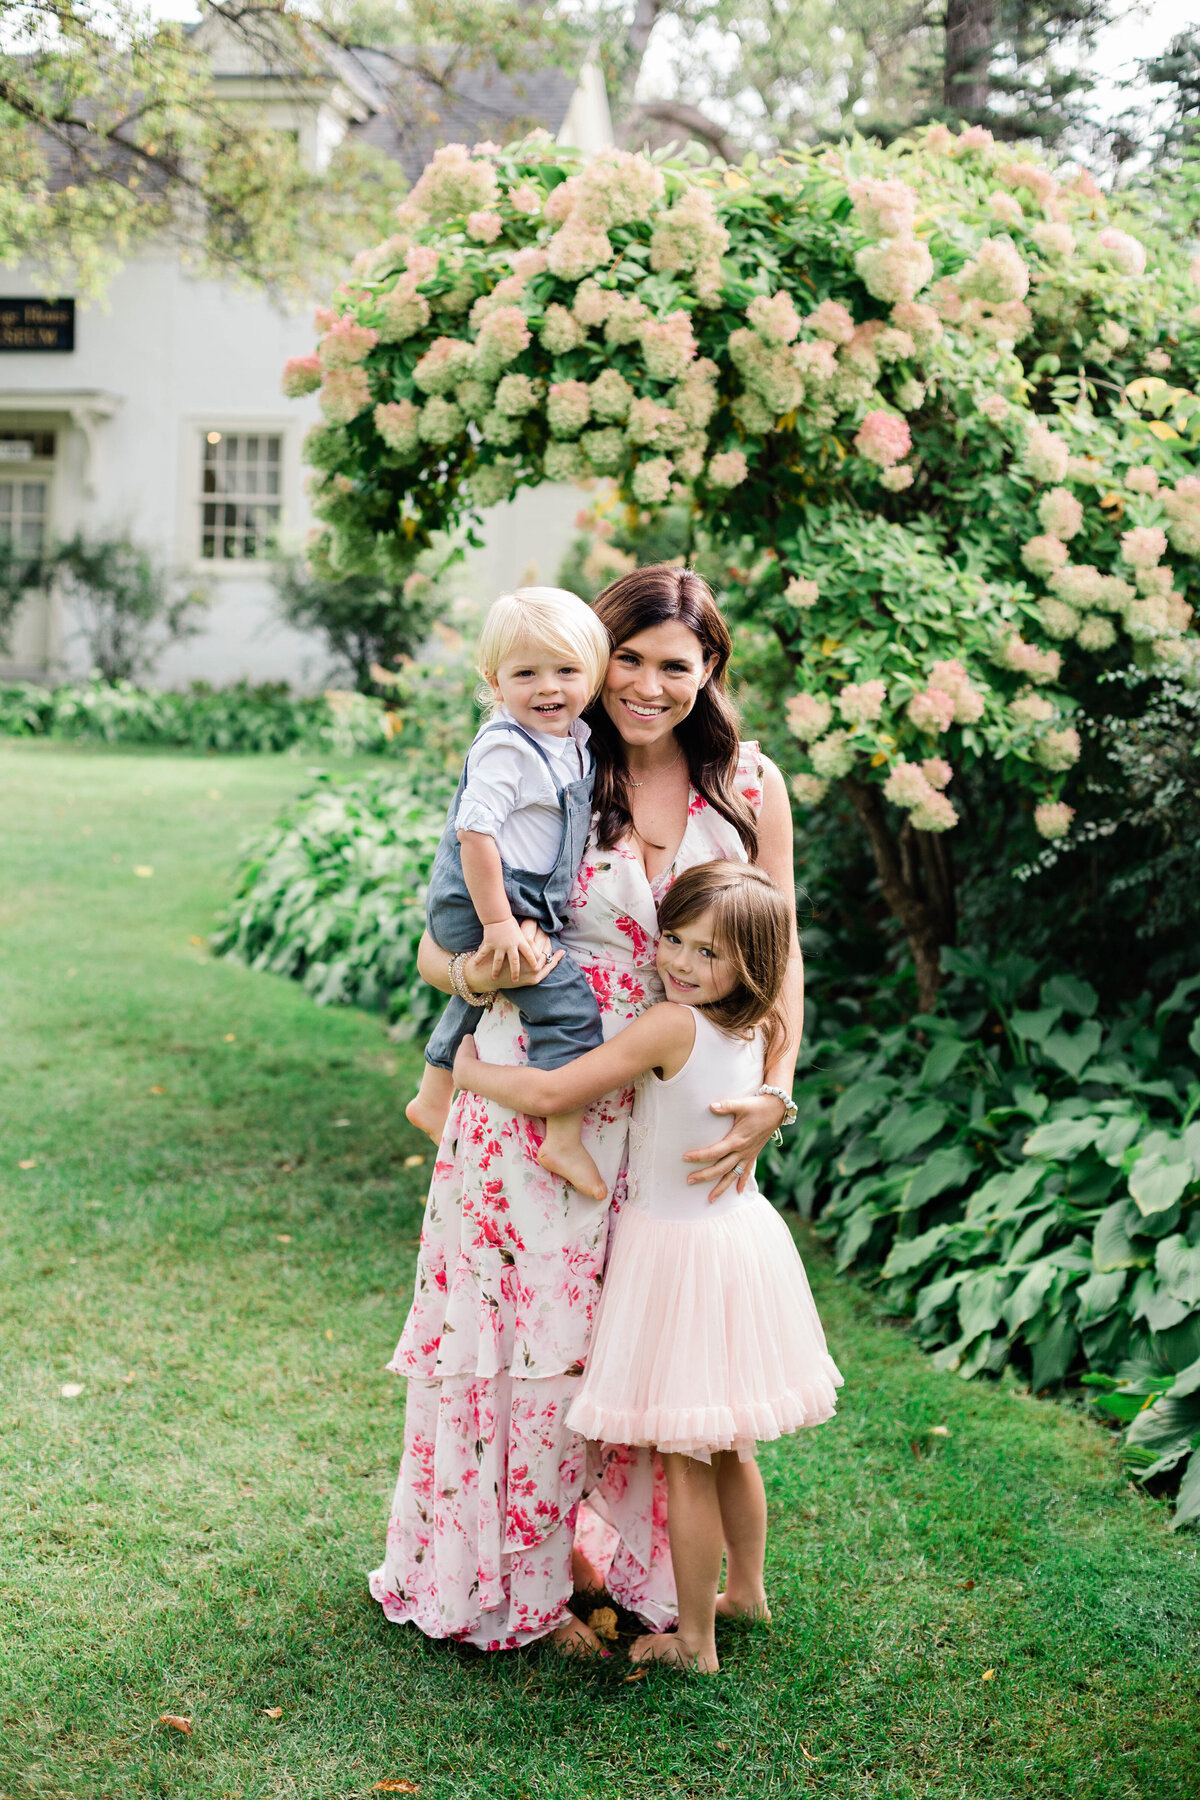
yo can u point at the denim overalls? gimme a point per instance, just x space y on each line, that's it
560 1014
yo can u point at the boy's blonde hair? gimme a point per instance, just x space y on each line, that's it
542 618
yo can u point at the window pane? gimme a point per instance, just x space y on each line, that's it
243 469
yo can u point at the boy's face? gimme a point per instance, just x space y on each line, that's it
543 690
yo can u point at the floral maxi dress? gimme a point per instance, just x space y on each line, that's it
483 1520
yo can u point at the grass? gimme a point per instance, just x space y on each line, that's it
216 1242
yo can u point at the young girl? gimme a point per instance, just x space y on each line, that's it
707 1339
512 846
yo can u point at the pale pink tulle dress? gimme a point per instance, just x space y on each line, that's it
707 1337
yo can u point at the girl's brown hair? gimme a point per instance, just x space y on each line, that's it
752 930
708 737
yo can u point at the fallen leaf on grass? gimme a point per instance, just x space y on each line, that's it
413 1162
638 1675
939 1431
273 1712
604 1623
177 1722
156 1090
144 870
200 943
396 1787
71 1390
988 1675
29 1162
282 1237
230 1037
339 1124
213 793
329 1333
805 1753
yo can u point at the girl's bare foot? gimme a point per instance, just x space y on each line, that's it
574 1638
670 1648
429 1107
572 1162
738 1606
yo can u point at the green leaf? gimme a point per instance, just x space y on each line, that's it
1155 1305
861 1098
1187 1503
935 1294
1036 1026
1187 1381
907 1128
1073 1051
1098 1296
981 1302
1072 995
1115 1139
1175 1000
857 1231
1027 1297
910 1253
1063 1137
944 1169
1167 1428
1178 1266
1157 1184
1053 1355
1000 1196
1194 1039
942 1060
1112 1247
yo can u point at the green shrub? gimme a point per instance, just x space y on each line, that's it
1024 1181
334 894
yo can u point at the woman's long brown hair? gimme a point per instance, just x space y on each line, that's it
708 737
752 931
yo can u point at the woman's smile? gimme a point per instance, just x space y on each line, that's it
652 682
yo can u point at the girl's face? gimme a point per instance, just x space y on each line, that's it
544 690
653 680
693 969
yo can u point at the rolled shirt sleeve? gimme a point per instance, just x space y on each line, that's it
498 782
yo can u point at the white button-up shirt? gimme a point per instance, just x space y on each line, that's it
510 794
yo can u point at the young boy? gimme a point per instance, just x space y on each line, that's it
514 839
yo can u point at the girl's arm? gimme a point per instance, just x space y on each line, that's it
661 1039
756 1116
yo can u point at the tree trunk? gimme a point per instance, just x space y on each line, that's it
916 878
970 40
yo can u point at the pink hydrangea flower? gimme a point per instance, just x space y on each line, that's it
1033 177
421 261
935 813
651 482
1006 209
1144 546
816 360
576 250
1182 506
1053 818
560 202
883 438
728 469
516 395
770 372
774 317
1046 456
896 479
688 235
974 138
860 702
626 316
344 394
801 592
1079 584
907 784
952 679
617 187
528 262
1058 750
446 362
920 321
396 423
301 375
831 320
454 184
1060 513
1055 241
524 199
405 312
1096 632
611 395
832 756
325 318
883 209
809 790
994 407
668 346
1031 709
1026 659
1043 555
937 771
502 337
895 270
568 408
808 715
1059 619
484 227
997 274
932 711
440 421
1120 251
559 331
346 343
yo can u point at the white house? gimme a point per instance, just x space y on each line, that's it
158 412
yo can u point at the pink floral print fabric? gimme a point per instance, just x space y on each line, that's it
508 1276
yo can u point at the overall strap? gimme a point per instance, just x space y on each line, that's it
511 725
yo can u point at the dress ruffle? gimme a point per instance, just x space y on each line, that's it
708 1339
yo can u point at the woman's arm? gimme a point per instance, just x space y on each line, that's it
433 964
756 1116
661 1039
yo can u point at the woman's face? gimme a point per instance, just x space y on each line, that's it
653 680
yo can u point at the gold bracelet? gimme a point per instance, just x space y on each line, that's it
458 981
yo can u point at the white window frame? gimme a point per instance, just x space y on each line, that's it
38 468
191 495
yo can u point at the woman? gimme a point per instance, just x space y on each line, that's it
479 1545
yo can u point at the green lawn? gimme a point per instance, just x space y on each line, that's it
215 1243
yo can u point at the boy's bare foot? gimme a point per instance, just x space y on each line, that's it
670 1648
429 1107
572 1162
736 1606
574 1638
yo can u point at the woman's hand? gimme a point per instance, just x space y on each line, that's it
478 968
756 1118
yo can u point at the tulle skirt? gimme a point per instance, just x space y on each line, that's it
707 1337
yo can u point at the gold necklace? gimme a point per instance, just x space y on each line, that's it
666 771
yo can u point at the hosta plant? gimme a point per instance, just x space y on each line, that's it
929 407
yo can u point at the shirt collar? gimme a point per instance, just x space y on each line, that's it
549 740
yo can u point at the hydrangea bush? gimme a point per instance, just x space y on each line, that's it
931 408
